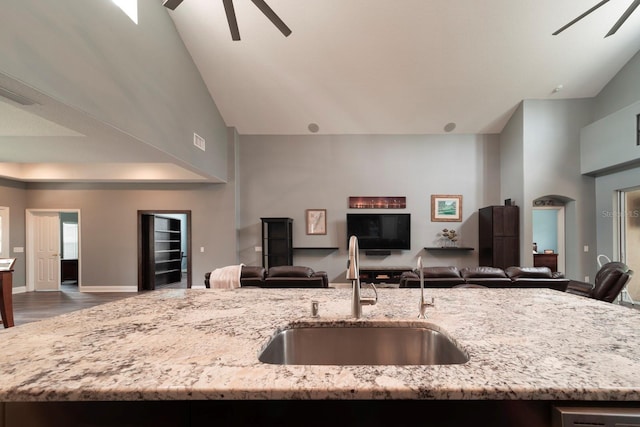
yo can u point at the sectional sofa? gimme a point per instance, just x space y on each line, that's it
491 277
289 276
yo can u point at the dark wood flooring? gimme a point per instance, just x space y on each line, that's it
33 306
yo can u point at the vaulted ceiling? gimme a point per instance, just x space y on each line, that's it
348 67
400 66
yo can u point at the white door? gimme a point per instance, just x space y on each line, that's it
47 251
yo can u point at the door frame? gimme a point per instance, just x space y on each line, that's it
6 229
187 213
31 232
561 236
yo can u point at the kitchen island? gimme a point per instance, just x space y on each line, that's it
178 351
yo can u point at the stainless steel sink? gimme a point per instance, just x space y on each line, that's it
329 344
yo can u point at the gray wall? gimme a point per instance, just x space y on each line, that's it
108 215
282 176
14 196
136 78
622 91
614 101
109 232
552 168
540 156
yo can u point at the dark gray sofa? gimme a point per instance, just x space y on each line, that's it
286 276
490 277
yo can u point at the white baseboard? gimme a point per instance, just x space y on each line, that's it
87 289
97 289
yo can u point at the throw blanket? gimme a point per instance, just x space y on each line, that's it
226 277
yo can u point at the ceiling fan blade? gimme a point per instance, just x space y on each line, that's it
269 13
231 18
580 17
171 4
623 18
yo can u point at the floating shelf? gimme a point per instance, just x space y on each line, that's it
448 248
329 249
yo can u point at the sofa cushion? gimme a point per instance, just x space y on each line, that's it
290 271
440 272
483 272
249 271
529 272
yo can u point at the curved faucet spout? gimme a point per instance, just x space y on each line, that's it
423 305
353 264
353 274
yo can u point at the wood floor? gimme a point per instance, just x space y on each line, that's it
33 306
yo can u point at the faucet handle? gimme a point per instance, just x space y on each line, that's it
370 300
422 308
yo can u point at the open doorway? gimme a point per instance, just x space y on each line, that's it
548 233
164 249
53 249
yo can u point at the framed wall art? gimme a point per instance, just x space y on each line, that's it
393 202
316 221
446 208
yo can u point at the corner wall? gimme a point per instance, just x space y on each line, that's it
282 176
137 78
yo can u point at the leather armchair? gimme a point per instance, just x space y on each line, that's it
609 282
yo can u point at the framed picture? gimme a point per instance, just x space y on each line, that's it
446 208
316 221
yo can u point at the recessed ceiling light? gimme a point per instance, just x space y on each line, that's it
313 127
449 127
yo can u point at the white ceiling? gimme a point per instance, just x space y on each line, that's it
400 66
351 66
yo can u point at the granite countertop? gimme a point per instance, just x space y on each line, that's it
186 344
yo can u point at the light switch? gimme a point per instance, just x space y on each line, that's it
201 248
586 248
18 249
258 248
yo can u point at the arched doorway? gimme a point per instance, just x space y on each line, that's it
548 233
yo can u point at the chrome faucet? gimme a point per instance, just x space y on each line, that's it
353 274
423 305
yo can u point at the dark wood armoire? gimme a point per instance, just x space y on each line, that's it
499 236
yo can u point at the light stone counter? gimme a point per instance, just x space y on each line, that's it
198 344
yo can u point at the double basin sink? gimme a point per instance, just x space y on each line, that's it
366 343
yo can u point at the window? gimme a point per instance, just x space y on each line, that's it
69 240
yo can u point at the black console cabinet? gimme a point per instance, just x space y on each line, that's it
378 275
277 242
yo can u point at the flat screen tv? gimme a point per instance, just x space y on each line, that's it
380 231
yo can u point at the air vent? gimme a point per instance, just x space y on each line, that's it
22 100
199 142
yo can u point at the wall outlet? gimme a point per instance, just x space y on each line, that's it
18 249
199 142
586 248
586 278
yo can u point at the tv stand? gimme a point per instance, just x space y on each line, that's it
377 252
378 275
